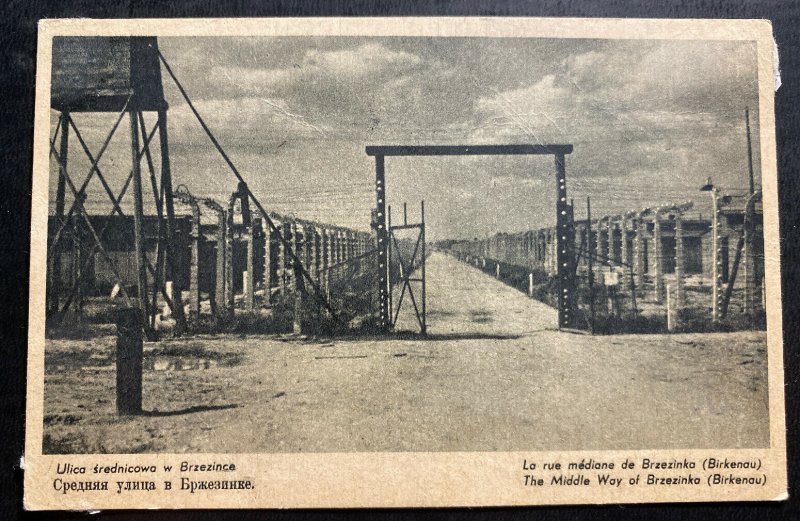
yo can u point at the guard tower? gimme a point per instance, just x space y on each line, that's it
119 75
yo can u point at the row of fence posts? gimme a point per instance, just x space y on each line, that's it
318 247
614 243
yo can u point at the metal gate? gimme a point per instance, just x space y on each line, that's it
406 265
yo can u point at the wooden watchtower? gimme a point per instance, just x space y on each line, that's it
120 75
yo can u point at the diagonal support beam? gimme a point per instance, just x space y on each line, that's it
91 173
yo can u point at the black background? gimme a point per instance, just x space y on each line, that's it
18 19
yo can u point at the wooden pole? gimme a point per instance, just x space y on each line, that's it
55 270
749 151
138 215
171 254
129 361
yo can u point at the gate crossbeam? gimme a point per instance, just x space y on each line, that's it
565 229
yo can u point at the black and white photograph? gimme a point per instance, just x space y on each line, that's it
394 243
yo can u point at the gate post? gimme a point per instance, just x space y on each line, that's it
383 258
565 245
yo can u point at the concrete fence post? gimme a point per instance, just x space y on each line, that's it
248 282
267 263
229 288
658 257
671 309
679 260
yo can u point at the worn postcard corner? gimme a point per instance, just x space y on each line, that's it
395 262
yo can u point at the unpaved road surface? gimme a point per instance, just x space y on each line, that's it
493 376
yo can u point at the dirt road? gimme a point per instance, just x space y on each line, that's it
494 375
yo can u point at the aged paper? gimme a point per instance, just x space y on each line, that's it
396 262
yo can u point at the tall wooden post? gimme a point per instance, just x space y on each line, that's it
54 268
138 214
172 256
129 362
77 263
751 273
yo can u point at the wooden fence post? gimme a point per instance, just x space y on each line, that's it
129 361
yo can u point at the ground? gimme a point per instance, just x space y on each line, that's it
494 375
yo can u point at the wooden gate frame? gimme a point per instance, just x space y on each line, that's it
565 255
406 270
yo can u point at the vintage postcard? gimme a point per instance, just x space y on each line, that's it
392 262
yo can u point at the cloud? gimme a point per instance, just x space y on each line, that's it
370 62
649 120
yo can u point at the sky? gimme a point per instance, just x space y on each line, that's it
650 120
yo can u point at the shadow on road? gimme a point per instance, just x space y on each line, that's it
190 410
